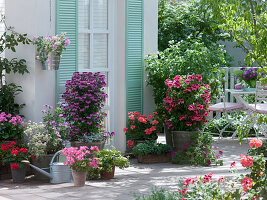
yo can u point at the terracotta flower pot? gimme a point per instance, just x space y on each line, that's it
108 175
79 178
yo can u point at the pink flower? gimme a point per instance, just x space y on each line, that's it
155 122
187 81
207 178
255 142
173 153
232 165
221 179
184 191
132 127
191 77
177 84
217 156
200 107
246 183
131 117
182 117
188 124
34 37
180 101
67 42
198 77
246 161
191 107
177 78
220 152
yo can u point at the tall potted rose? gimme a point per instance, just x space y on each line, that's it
84 99
186 103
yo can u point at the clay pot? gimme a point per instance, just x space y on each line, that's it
108 175
79 178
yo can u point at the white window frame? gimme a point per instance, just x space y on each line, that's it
111 56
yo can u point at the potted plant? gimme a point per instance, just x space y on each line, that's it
84 98
149 153
248 75
49 50
109 160
140 128
80 160
11 127
13 154
186 104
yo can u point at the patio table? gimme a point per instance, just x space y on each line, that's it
238 95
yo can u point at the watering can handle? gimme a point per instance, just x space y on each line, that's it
52 160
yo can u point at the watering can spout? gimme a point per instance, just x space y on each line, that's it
37 169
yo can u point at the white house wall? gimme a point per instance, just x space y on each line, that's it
150 46
32 17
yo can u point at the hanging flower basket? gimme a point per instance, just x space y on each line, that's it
52 62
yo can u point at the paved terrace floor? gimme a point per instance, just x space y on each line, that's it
139 178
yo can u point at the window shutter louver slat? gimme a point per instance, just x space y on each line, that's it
66 21
134 55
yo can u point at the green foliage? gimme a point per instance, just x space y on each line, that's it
9 41
199 151
158 194
186 57
150 148
258 171
7 98
109 158
245 21
178 20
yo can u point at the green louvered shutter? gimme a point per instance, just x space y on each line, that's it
134 55
67 21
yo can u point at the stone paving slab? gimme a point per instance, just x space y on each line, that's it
139 178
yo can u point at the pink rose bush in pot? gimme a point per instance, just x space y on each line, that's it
186 103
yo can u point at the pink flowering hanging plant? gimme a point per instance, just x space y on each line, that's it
11 127
81 159
186 103
56 44
84 99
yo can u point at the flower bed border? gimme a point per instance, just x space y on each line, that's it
153 158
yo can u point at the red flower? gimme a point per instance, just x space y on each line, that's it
246 183
188 124
246 161
130 144
125 129
33 156
23 150
132 127
256 143
148 131
155 122
191 107
155 113
152 128
141 119
13 143
150 116
14 167
5 147
15 153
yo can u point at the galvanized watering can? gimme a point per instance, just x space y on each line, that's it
59 173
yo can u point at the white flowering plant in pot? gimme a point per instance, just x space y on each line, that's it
50 44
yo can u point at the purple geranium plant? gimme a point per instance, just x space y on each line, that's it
84 99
